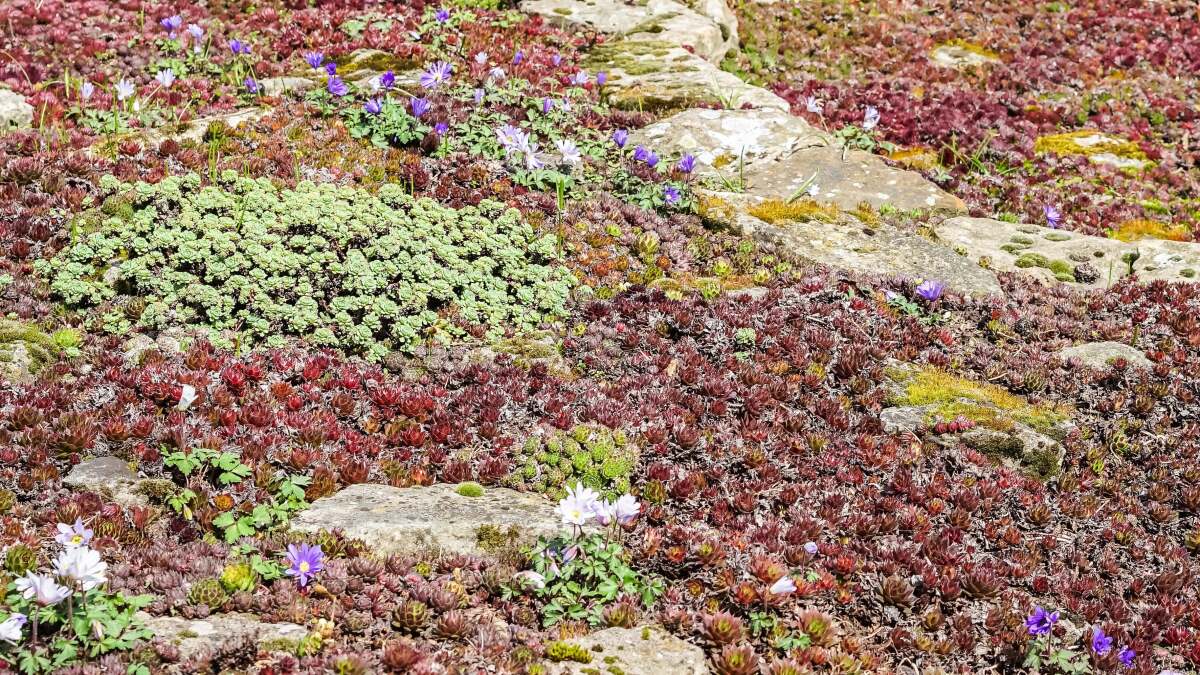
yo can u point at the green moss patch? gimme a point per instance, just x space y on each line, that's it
988 405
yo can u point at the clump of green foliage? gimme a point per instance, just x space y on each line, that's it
600 458
368 273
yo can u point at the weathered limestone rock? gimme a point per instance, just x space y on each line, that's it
15 111
903 418
710 32
195 638
109 476
657 76
850 245
168 342
847 179
278 86
194 130
961 55
1058 255
393 519
725 138
646 650
1102 354
1098 147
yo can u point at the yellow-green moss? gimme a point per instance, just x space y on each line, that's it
567 651
986 404
469 489
632 57
802 210
40 347
970 47
1063 270
1068 144
715 210
1142 228
918 157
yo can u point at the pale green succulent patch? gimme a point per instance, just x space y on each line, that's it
342 267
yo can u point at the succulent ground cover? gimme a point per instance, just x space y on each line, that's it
443 260
991 104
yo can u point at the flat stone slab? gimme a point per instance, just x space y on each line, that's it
194 637
955 55
391 519
850 245
193 130
1058 255
1101 354
848 179
725 138
645 650
660 77
710 34
109 476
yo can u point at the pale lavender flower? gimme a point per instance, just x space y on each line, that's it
86 90
478 97
42 589
10 628
547 105
811 548
812 105
497 74
165 78
83 566
569 151
532 579
373 106
783 586
580 79
125 89
518 57
195 31
419 106
555 60
437 74
578 507
481 58
601 78
604 512
73 536
870 118
626 508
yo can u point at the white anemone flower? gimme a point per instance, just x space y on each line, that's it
82 565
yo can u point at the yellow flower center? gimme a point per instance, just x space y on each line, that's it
304 566
77 539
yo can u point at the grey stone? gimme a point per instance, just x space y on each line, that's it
109 476
958 56
194 130
394 519
208 636
730 137
278 86
848 179
657 76
644 650
903 418
1101 354
15 111
1012 247
710 32
851 246
17 364
1020 447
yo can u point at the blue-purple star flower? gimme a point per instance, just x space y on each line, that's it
620 137
86 90
686 164
1041 622
437 74
304 562
419 106
238 47
931 289
1053 216
195 31
547 105
387 80
518 57
373 106
171 24
314 59
331 68
337 86
670 195
555 60
251 85
441 128
601 78
642 154
1101 643
1126 656
478 97
442 15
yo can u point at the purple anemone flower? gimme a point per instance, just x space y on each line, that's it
387 80
251 85
1053 216
518 57
304 562
171 24
442 15
1101 643
580 79
437 74
1126 656
1041 622
478 97
641 154
931 289
555 60
601 78
419 107
620 137
441 128
373 106
670 195
331 68
314 59
687 163
547 105
337 86
238 47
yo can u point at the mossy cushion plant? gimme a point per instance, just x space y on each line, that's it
342 267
